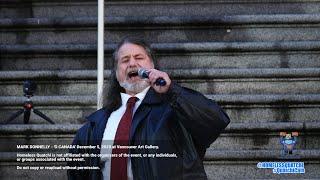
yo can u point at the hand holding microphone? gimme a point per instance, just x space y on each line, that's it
160 81
143 73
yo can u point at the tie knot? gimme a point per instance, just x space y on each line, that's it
132 100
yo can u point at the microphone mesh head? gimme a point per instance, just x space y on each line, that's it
142 73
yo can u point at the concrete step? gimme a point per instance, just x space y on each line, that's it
61 109
259 155
208 86
243 164
291 54
224 165
239 161
228 155
239 136
240 108
265 136
58 134
58 8
208 81
166 29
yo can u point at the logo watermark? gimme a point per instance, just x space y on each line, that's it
288 141
283 167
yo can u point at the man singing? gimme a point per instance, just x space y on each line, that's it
155 131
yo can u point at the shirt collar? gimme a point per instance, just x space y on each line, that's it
140 96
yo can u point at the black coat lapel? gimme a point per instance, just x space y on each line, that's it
99 120
144 109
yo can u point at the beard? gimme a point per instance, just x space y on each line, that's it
136 87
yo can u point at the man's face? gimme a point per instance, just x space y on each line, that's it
131 57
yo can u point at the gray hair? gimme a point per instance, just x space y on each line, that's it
132 40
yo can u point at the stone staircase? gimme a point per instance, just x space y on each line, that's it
259 59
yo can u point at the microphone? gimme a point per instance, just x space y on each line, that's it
143 73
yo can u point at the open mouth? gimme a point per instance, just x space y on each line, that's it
132 74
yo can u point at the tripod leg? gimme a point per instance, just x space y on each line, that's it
43 116
15 115
26 117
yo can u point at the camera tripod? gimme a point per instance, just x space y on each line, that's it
27 108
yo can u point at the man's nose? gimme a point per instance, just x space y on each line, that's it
132 62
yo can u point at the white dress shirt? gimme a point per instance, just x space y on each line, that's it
110 132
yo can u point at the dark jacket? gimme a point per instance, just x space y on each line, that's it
182 121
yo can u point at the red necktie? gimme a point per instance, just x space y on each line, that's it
119 164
